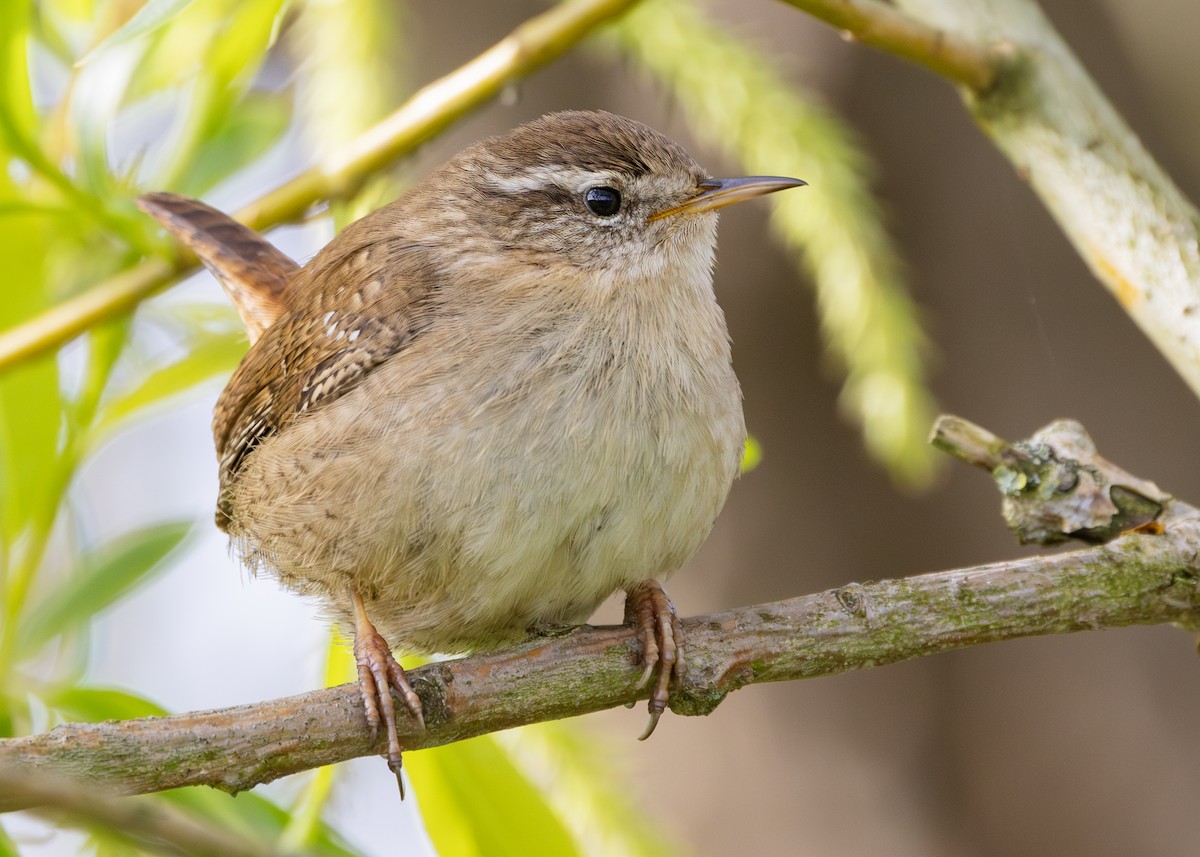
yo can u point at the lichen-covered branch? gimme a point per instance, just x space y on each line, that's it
1055 485
530 46
1145 577
1138 579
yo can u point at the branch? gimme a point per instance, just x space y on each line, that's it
1055 486
1126 218
1147 577
144 824
530 46
970 63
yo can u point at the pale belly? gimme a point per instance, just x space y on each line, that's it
462 528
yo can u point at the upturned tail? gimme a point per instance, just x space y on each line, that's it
253 272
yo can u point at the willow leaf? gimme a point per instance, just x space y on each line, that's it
104 575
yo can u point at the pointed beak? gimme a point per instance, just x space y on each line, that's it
718 193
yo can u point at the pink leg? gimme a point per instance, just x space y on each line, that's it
651 613
378 675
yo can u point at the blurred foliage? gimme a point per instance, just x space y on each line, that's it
100 98
94 105
737 101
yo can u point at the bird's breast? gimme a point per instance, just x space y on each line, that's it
489 494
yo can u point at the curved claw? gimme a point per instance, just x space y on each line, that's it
651 725
395 768
378 675
652 614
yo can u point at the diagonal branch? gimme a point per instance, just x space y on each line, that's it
1131 225
972 64
533 44
1146 577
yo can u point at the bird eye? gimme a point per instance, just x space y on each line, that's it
603 201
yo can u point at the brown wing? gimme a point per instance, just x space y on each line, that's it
254 273
368 301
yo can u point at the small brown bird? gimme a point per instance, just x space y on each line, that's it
489 405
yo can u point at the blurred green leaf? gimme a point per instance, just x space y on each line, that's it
17 115
93 704
339 46
47 29
252 126
103 576
751 455
476 803
574 768
8 848
238 35
250 814
152 16
17 207
102 843
186 317
105 343
99 93
209 356
41 144
29 434
30 418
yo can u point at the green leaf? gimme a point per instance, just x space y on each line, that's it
18 119
153 16
93 704
252 127
104 575
240 35
251 815
99 93
475 802
30 417
212 355
573 767
751 455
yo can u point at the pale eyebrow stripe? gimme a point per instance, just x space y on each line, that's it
548 176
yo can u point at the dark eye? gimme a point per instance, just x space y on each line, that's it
603 201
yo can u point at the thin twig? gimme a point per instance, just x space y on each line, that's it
969 63
530 46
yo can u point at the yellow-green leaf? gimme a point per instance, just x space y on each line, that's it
152 16
476 803
93 704
103 576
211 355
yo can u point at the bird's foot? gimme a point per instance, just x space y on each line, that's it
653 616
378 675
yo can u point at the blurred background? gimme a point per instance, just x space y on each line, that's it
1069 745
